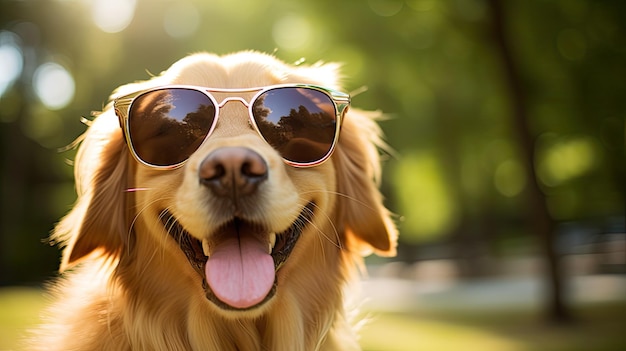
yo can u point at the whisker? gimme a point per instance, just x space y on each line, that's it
345 196
145 208
169 226
321 235
320 231
161 246
132 190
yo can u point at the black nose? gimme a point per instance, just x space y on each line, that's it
233 171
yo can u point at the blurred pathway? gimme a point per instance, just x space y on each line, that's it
391 294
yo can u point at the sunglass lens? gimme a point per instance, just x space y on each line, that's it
298 122
166 126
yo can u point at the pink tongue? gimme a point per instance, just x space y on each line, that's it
240 272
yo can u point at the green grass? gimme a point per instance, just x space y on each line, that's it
598 328
19 310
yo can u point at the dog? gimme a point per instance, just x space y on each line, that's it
224 204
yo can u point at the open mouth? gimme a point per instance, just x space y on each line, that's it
239 273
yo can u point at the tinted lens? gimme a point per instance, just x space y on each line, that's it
166 126
298 122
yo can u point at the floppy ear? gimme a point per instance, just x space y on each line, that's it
366 221
97 223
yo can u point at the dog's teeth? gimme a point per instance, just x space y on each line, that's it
205 247
272 241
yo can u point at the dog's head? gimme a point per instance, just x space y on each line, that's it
237 207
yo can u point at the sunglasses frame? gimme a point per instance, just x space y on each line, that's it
123 104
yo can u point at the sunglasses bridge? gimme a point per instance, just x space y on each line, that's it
231 98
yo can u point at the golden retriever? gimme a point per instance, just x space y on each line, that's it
215 236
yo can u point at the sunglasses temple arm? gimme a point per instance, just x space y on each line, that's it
121 106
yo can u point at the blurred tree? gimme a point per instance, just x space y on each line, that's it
541 221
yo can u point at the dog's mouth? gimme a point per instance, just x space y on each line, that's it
239 266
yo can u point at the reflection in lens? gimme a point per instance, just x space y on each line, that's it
166 126
298 122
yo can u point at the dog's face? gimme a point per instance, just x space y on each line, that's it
235 217
236 209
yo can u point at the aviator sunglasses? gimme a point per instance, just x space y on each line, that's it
165 125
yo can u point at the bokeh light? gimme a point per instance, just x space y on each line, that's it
386 8
181 19
112 16
292 32
53 85
44 127
509 178
567 159
425 202
11 60
572 44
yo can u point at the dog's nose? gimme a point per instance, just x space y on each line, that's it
233 171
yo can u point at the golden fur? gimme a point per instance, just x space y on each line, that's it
127 285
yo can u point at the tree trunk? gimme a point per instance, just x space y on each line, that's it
542 223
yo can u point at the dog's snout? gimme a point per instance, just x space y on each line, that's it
233 171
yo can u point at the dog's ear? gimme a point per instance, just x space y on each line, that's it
97 222
366 221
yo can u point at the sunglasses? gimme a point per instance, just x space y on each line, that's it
165 125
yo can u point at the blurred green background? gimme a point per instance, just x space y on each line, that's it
506 119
